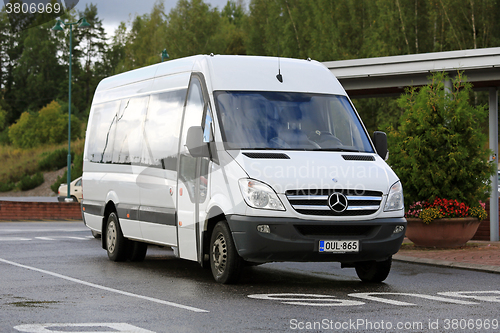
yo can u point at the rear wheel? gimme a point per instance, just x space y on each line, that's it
116 244
373 271
225 262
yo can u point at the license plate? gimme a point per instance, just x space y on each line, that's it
339 246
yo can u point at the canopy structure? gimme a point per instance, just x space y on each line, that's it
389 76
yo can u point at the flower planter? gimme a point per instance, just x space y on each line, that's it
447 232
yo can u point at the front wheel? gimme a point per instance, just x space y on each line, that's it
225 262
116 244
373 271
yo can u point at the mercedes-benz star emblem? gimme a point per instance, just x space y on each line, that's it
337 202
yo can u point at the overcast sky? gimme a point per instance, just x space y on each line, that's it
112 12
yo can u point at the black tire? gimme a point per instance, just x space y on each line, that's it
373 271
137 251
225 262
117 246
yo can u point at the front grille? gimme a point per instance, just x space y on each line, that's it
315 202
334 230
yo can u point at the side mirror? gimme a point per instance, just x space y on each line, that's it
380 141
195 144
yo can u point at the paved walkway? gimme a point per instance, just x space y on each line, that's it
476 255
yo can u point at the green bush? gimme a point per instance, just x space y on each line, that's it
4 137
30 182
3 119
76 171
54 160
439 149
6 187
48 126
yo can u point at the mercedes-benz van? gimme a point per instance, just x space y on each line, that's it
239 160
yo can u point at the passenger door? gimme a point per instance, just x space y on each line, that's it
158 179
193 180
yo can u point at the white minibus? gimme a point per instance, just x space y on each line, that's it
239 160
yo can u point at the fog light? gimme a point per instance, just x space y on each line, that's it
264 228
398 229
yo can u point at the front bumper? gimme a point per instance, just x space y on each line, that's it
293 239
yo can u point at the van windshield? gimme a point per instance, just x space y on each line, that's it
289 121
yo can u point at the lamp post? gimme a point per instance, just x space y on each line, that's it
82 23
164 55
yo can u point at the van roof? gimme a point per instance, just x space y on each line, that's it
229 72
260 73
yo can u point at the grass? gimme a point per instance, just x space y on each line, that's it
17 162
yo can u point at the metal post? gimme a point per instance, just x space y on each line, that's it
448 86
68 198
494 179
57 27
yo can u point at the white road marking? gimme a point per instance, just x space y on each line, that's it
8 239
369 296
6 230
306 299
93 285
329 300
80 238
479 295
44 328
53 238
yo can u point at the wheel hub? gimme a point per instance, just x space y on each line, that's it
111 236
219 253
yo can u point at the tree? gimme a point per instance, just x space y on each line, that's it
38 72
113 59
192 27
439 147
11 47
92 45
231 33
145 40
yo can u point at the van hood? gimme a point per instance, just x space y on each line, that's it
292 170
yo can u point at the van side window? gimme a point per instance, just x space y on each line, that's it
102 132
161 129
127 143
208 130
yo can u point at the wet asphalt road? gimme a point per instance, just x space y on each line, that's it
55 277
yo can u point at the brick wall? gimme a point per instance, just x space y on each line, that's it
14 210
483 232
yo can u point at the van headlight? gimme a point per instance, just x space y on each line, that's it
259 195
395 198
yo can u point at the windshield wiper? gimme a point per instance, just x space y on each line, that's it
338 149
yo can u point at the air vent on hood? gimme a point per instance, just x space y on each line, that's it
268 155
358 157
